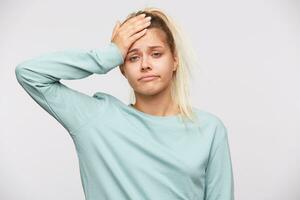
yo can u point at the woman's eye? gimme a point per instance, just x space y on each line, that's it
133 58
156 54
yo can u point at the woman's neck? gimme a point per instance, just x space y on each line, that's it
159 104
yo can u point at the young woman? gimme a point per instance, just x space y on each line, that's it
158 148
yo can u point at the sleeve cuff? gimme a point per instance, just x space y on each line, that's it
111 56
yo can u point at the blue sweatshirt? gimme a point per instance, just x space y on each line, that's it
124 153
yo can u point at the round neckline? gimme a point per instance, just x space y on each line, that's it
154 117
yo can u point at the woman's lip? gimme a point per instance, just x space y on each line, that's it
149 78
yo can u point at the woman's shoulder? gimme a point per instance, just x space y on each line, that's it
208 117
212 123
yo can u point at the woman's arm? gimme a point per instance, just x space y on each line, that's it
40 78
219 174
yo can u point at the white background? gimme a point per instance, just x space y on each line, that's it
249 54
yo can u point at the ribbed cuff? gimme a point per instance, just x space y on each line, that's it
111 56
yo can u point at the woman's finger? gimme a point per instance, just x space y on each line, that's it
133 19
129 24
137 35
117 26
137 28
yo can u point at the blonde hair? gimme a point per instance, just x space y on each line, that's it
186 59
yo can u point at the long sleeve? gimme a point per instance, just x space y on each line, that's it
40 78
219 174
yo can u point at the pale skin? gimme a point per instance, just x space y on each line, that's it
145 52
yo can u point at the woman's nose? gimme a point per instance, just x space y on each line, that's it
145 65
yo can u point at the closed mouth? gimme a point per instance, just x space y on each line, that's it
149 77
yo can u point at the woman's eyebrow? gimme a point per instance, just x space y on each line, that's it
150 47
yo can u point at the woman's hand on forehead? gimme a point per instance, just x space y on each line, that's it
131 30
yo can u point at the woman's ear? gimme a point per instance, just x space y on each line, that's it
176 62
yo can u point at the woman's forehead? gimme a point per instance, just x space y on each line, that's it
151 40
